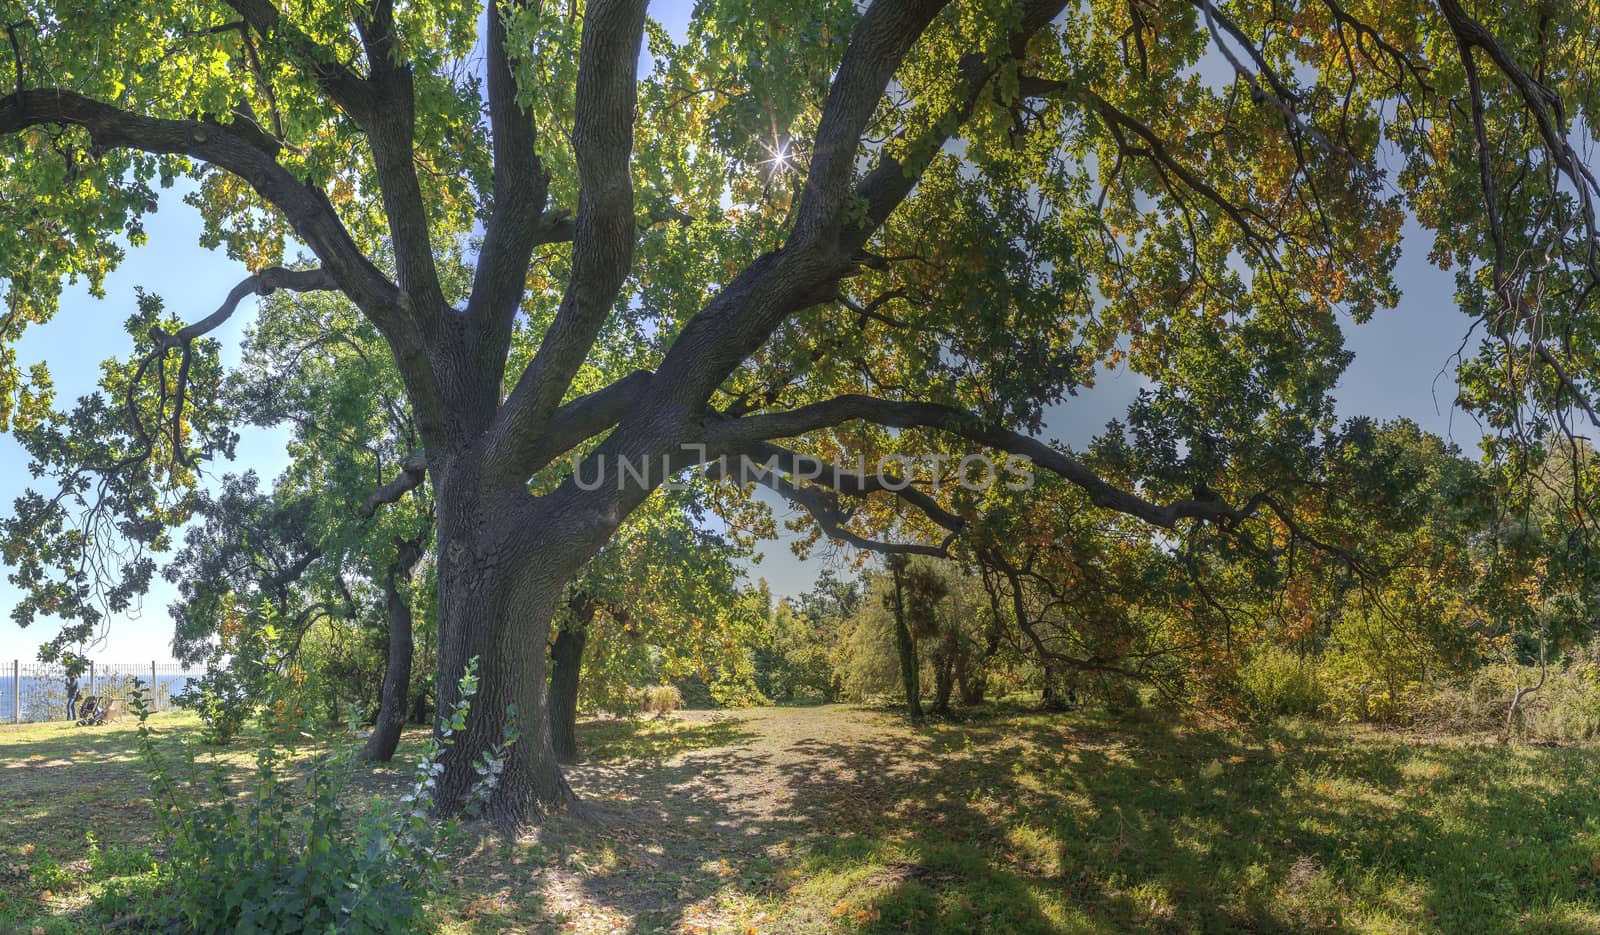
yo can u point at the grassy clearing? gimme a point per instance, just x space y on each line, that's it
838 819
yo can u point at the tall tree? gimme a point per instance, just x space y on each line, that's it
927 220
660 601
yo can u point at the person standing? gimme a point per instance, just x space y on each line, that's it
72 696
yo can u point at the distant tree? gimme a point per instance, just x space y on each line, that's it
332 541
792 657
661 601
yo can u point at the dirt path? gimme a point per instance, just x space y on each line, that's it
673 833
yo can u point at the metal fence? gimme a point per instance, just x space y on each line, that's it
33 691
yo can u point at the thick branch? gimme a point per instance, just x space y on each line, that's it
239 148
383 104
602 250
245 151
587 416
881 40
904 415
521 188
745 313
391 134
892 180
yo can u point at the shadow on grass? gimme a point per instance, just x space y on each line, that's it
1047 824
1031 827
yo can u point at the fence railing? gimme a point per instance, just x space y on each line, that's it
34 691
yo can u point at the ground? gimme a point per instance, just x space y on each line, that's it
842 819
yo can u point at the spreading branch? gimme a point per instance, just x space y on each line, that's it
908 415
263 283
603 235
834 521
852 483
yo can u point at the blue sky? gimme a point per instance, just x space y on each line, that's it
1403 367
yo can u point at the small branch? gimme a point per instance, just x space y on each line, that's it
852 484
263 283
823 506
413 471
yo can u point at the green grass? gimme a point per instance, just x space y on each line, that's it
1023 826
838 819
75 820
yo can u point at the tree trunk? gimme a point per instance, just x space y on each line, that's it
906 645
944 681
497 595
971 678
566 662
1052 692
397 663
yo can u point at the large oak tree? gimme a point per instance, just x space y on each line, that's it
808 230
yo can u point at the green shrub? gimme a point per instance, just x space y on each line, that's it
291 856
1278 683
223 701
695 691
1568 707
1355 688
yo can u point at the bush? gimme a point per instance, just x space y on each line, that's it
1472 704
1355 688
1568 707
1278 683
658 699
1565 709
696 693
223 701
292 857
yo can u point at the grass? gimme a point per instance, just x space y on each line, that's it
836 819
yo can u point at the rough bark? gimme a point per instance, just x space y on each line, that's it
566 662
496 603
385 736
